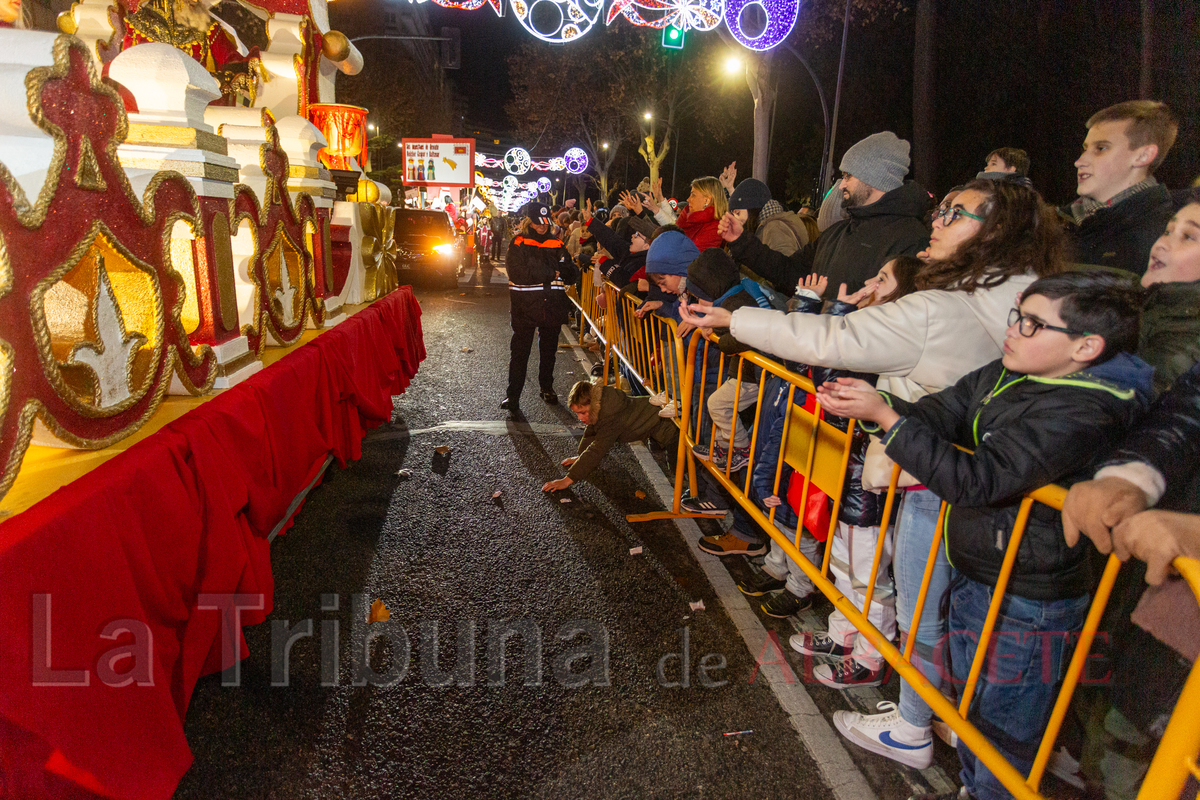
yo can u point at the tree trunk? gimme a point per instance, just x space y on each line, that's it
1146 82
924 86
652 156
758 77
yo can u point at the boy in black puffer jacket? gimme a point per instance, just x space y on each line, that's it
1061 397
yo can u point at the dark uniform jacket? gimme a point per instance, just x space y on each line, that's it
539 267
849 251
1121 236
1026 432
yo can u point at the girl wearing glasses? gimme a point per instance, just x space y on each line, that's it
993 240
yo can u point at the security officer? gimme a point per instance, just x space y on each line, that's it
539 268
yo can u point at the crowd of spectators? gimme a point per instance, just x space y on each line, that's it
1058 345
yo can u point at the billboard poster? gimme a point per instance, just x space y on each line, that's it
439 162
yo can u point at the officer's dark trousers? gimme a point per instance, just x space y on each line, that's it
518 362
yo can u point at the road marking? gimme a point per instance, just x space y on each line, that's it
491 427
844 778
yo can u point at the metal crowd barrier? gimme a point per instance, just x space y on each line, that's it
651 351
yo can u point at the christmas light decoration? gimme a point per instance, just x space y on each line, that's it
559 21
700 15
543 184
470 5
517 160
576 160
781 18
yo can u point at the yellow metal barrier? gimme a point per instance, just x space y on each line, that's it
652 351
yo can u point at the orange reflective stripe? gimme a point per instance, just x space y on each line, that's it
551 243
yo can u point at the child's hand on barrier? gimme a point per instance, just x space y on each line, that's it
772 502
856 399
646 307
699 316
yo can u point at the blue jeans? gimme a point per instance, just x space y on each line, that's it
915 527
1030 650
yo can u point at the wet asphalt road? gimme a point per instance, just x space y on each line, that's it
442 553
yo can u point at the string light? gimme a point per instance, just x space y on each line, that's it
700 15
517 160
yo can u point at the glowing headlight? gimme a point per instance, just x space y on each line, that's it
444 249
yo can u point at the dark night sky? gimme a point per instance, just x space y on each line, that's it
1024 73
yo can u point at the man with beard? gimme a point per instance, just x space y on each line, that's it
886 220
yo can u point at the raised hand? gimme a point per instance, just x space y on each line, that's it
858 297
818 283
699 316
728 177
656 191
730 227
857 399
632 202
588 212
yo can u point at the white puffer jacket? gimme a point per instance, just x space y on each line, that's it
920 344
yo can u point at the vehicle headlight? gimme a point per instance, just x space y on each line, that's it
444 249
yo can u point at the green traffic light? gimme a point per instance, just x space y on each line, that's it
672 38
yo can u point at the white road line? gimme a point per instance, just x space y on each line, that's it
845 779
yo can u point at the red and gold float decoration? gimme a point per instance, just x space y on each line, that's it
90 301
344 127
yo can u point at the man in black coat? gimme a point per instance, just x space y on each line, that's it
887 219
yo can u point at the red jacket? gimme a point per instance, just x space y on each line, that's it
701 227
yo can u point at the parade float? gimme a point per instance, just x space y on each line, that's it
193 325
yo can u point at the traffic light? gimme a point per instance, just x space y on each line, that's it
673 37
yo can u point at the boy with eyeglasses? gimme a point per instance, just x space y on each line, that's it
1063 395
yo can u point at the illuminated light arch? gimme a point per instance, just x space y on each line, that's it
574 18
781 18
575 160
700 15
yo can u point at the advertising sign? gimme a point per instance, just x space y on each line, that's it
439 162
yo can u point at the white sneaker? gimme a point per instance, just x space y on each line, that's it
945 732
659 399
888 735
589 338
668 410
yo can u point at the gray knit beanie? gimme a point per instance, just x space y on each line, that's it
880 161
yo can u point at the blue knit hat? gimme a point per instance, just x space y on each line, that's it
670 254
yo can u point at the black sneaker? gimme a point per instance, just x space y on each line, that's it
694 505
784 604
511 404
759 585
550 397
597 370
817 644
847 674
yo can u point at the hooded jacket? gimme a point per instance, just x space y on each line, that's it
1169 339
1121 236
616 417
1026 432
849 251
539 267
781 230
623 264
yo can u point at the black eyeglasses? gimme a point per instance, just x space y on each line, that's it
1029 326
949 216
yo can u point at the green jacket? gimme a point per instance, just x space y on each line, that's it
1169 339
617 417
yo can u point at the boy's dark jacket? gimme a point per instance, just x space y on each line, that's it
1026 432
616 417
1121 236
538 267
1169 339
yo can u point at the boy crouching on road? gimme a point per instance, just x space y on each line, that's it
1060 399
611 416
